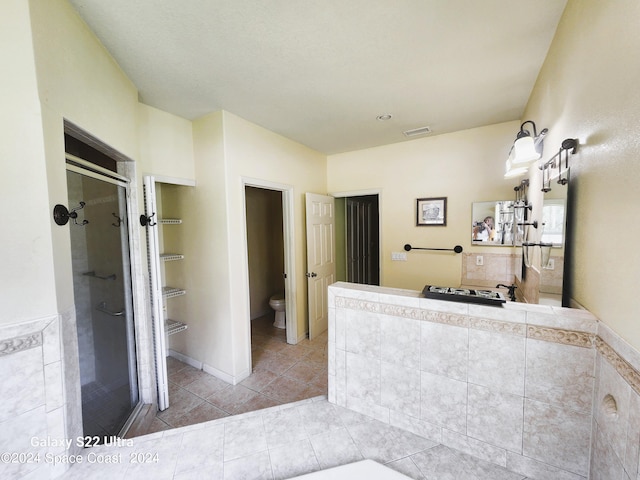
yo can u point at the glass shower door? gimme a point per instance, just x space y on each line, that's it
103 301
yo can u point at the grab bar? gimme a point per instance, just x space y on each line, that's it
457 248
92 273
102 307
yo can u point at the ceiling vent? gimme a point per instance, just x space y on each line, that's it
417 131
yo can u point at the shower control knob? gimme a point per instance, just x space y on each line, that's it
312 275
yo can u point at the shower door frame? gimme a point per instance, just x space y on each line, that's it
83 167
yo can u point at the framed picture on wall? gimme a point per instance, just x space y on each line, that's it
431 212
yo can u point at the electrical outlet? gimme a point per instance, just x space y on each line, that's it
398 256
551 265
479 260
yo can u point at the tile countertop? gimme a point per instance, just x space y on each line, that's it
512 312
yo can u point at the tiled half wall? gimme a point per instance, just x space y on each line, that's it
545 391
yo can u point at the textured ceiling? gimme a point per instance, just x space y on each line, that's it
320 71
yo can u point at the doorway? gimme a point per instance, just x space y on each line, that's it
265 248
363 240
289 272
103 298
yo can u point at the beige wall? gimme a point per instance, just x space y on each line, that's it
78 81
27 280
254 152
463 166
166 144
588 89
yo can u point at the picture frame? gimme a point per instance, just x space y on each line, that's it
431 212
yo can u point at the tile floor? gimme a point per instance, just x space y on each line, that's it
282 373
281 442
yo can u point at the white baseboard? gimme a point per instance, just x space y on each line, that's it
184 359
209 369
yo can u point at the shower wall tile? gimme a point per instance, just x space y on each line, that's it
477 448
51 349
497 361
340 326
564 318
363 333
363 378
22 384
522 386
557 436
605 464
53 386
413 425
560 374
631 456
444 350
495 418
532 469
17 433
400 388
443 401
612 407
398 341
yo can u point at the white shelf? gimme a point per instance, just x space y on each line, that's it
173 326
170 221
170 292
168 257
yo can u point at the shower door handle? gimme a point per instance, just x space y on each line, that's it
102 307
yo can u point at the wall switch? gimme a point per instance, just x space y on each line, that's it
479 260
398 256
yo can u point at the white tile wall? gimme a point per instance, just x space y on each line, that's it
518 386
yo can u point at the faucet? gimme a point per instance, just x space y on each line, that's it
511 288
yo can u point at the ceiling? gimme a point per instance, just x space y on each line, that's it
320 71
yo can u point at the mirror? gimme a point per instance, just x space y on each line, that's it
554 224
493 223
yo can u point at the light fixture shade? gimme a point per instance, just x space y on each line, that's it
523 151
545 254
512 170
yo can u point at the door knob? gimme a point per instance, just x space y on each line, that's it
312 274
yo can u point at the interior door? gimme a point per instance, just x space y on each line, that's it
321 261
103 300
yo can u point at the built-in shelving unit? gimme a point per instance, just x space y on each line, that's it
172 326
166 274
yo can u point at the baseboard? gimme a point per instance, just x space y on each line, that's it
233 380
185 359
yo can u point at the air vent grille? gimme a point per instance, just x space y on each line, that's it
417 131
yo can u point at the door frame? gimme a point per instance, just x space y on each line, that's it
360 193
288 224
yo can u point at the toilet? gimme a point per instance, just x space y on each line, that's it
277 302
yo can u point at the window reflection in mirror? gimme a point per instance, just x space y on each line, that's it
492 223
553 220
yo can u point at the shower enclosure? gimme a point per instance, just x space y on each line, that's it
103 298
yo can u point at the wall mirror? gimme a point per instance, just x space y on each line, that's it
554 220
492 223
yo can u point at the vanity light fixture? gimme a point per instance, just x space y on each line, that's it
545 253
560 161
526 148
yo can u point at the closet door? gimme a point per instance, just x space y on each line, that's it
155 287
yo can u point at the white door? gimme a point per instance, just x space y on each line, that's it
321 261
